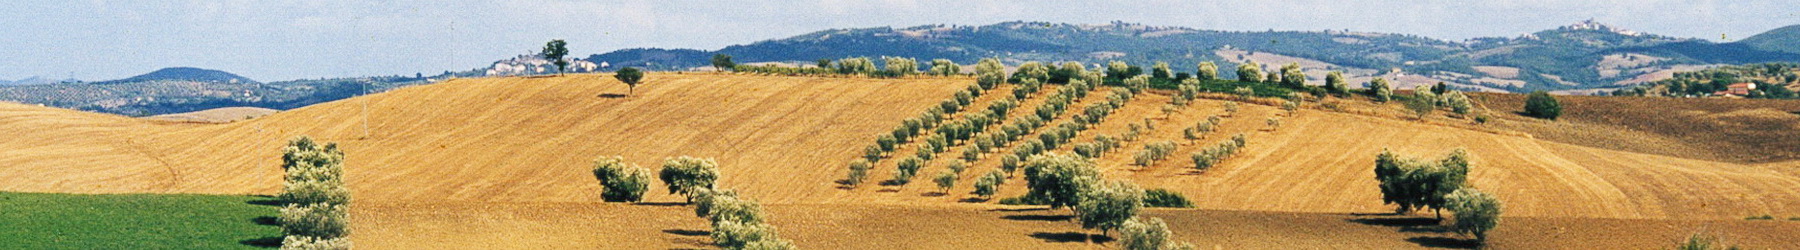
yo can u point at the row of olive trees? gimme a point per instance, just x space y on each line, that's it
1201 128
316 212
1208 157
1415 184
1153 152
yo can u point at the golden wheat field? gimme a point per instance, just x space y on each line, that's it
504 163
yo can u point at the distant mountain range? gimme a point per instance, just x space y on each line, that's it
35 80
1584 55
178 90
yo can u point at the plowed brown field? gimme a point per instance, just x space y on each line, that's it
506 160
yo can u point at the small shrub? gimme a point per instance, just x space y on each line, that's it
705 199
971 153
318 220
737 235
1244 93
1165 198
1476 212
1148 234
295 242
1541 105
1274 123
958 167
314 191
1701 242
1231 108
733 209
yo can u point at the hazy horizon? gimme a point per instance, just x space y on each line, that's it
274 41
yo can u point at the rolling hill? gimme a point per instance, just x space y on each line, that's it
1583 55
185 74
513 155
1784 39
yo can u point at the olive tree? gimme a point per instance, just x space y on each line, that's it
859 171
1207 71
720 62
1415 184
989 183
1160 70
1379 90
1292 77
1475 212
1033 70
1249 72
907 168
945 67
1107 205
1059 179
945 180
900 66
1148 234
1334 82
621 181
989 73
1458 102
631 77
686 175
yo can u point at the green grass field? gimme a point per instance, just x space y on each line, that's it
136 221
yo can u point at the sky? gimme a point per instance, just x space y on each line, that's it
272 40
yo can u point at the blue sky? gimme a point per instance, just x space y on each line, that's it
285 40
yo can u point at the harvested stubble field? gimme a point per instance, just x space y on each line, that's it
503 162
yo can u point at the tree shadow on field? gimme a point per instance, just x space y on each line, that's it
611 95
1425 229
1038 217
972 200
264 242
1445 242
1070 237
660 204
934 194
1019 209
266 221
1396 222
685 232
267 200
